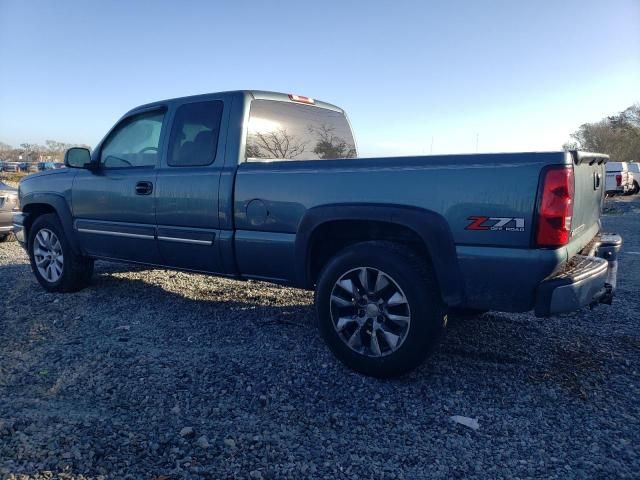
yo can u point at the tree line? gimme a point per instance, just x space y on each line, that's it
617 135
51 151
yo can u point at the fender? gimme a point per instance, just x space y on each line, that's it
430 226
61 207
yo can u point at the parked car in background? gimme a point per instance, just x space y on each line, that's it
630 183
11 167
634 171
58 165
33 168
617 178
268 186
8 205
42 166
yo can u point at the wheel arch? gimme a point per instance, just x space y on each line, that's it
324 230
36 205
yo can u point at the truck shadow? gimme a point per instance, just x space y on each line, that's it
492 339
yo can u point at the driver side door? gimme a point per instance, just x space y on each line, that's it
114 205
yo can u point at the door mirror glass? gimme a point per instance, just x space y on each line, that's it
77 157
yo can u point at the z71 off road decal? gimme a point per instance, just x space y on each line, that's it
507 224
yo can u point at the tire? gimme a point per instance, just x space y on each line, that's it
636 188
407 289
5 238
47 243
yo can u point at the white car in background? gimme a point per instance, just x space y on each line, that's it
617 178
634 176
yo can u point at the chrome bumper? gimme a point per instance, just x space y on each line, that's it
586 281
18 228
5 221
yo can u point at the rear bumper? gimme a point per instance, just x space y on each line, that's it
585 281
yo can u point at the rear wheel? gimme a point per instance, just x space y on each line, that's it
56 266
636 188
379 308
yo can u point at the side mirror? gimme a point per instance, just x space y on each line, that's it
78 157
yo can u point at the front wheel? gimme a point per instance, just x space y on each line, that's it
56 266
379 308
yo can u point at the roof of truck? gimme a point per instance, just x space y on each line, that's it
254 94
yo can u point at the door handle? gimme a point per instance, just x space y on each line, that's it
144 188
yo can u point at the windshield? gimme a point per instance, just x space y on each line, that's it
290 131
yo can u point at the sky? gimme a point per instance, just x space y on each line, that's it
415 77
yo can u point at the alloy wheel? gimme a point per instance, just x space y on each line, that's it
47 253
370 312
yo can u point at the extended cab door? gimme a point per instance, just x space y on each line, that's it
114 205
187 187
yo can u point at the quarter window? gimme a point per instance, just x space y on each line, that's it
194 135
135 143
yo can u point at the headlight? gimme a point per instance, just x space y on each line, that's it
12 202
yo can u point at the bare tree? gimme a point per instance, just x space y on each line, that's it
56 149
275 144
616 135
330 145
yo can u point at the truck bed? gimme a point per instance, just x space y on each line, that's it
456 187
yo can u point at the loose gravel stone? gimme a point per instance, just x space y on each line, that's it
202 442
241 365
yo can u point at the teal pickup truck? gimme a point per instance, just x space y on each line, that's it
268 186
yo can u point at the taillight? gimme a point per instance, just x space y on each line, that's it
556 208
619 179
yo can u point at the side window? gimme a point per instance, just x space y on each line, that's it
194 135
134 143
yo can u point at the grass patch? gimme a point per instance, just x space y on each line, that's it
12 178
577 368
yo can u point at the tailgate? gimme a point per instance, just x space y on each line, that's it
589 174
611 182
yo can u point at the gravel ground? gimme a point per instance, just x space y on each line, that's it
152 374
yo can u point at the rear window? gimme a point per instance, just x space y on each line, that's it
615 166
290 131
